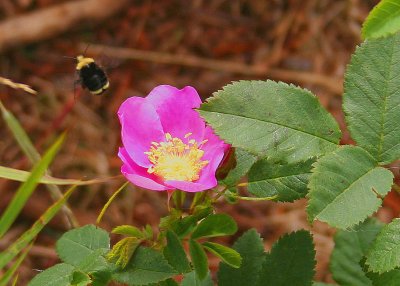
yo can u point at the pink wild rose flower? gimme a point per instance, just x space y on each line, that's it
166 144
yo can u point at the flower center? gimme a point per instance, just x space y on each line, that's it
175 160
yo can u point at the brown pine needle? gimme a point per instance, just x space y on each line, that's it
15 85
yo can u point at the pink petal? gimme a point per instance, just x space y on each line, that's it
179 122
212 140
138 175
166 94
174 107
140 126
214 150
190 186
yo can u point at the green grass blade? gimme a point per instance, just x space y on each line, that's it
22 176
33 155
15 280
20 135
110 200
26 189
13 250
5 279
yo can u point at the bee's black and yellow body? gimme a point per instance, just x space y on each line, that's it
91 76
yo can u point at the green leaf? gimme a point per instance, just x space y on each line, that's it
20 135
371 100
184 226
251 248
148 232
228 255
75 245
101 278
179 197
128 230
168 282
290 262
167 221
146 266
350 248
266 118
288 181
175 254
191 279
199 259
203 211
384 254
26 238
390 278
346 187
215 225
96 262
382 20
26 189
80 279
231 195
123 251
58 275
244 161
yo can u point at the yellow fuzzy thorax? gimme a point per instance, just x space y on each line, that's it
82 61
175 160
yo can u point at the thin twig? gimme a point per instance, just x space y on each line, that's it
334 85
48 22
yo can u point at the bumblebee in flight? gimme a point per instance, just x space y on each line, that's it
91 76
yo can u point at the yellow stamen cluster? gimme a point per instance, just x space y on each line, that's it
175 160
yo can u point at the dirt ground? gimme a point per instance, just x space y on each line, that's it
205 44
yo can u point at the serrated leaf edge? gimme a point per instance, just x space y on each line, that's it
217 96
346 112
314 171
276 244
